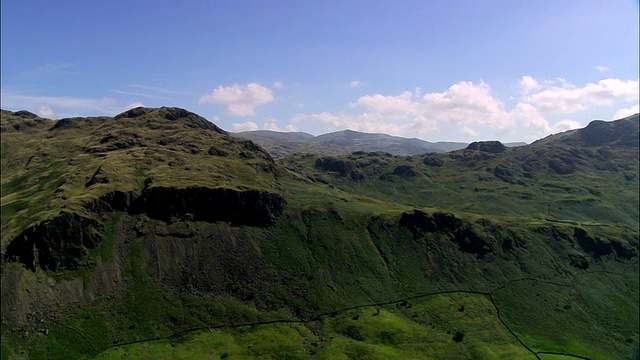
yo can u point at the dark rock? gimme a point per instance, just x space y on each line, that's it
594 246
58 243
433 161
217 152
344 168
404 171
249 207
494 147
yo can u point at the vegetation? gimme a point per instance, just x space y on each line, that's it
154 234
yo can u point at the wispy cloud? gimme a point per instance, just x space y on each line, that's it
145 95
355 83
152 92
64 106
104 104
240 100
602 69
160 90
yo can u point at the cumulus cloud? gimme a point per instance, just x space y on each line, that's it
568 98
355 83
410 114
245 126
473 106
529 84
529 117
392 107
466 102
626 112
241 100
601 68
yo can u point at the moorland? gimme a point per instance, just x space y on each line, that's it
156 234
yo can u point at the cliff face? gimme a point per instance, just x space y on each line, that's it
64 241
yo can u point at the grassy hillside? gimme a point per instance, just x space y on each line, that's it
154 234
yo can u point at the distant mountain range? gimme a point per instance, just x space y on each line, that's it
280 144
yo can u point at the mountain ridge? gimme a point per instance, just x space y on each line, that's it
345 141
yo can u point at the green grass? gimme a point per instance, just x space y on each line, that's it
338 254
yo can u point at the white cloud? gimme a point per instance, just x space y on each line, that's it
529 117
468 132
466 102
627 112
529 84
241 100
355 83
408 115
46 112
569 98
602 69
277 85
245 126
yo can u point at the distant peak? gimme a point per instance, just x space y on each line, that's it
487 146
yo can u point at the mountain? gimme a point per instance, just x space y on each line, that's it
280 144
155 234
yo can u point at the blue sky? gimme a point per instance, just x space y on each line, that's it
513 70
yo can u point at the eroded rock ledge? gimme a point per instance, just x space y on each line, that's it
63 242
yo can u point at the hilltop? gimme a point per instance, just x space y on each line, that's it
155 233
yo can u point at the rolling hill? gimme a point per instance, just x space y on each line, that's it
155 234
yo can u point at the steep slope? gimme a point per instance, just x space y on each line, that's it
141 234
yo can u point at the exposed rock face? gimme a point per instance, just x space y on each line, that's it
494 147
250 207
480 238
60 242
